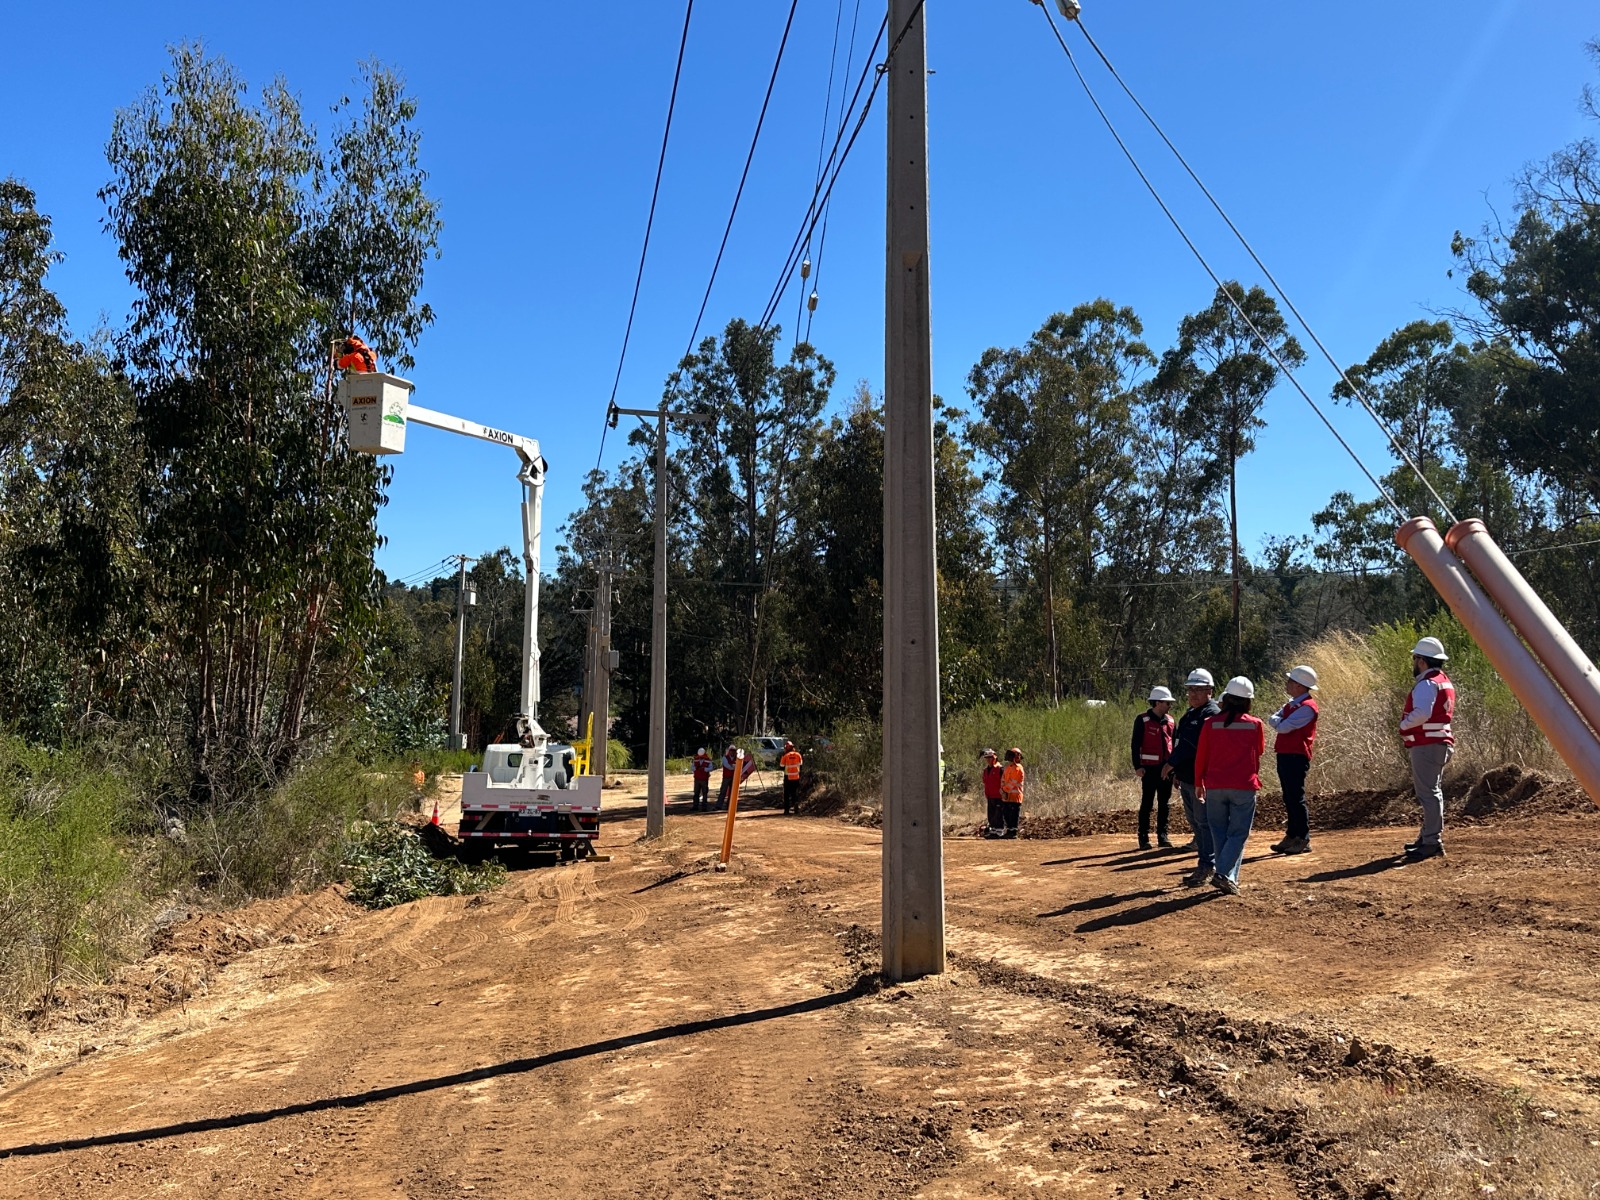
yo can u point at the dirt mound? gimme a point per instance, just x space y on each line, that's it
1512 790
189 946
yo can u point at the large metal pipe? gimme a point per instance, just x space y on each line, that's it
1529 616
1572 739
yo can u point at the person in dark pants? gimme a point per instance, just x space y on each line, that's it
1152 746
1296 723
1202 708
791 763
702 780
1013 782
992 771
730 764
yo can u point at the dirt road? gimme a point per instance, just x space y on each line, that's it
647 1027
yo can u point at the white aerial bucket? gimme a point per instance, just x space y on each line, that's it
375 408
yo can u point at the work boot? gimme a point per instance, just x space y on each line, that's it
1144 843
1417 853
1278 846
1165 843
1296 846
1225 885
1198 877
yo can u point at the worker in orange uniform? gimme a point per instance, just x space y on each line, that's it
702 780
1013 780
357 357
790 762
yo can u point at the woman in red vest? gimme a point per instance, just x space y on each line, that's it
992 771
1227 773
1296 723
1152 746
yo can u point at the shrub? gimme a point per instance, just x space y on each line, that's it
389 864
68 908
293 837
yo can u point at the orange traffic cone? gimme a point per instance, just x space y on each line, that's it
435 819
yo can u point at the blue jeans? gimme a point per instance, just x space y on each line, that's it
1196 813
1231 812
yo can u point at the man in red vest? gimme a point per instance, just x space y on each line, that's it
702 780
992 773
1296 723
1425 729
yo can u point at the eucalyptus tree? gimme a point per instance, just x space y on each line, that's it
743 472
1232 372
246 247
1054 423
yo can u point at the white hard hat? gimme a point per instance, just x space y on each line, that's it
702 749
1159 693
1304 676
1430 648
1199 677
1241 687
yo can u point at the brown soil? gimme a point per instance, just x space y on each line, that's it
648 1026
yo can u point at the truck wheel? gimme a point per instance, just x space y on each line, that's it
569 851
560 778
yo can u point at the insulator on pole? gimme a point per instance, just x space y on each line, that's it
805 268
811 304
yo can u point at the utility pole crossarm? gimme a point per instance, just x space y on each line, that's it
526 447
653 413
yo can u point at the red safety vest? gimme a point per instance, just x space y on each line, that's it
791 764
1155 742
1298 741
702 766
1435 731
991 781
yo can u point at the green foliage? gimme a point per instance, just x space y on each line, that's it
291 839
68 908
389 864
249 243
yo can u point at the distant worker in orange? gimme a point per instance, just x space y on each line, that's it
790 762
1013 780
357 357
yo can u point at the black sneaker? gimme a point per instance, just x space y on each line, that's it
1144 844
1164 843
1417 852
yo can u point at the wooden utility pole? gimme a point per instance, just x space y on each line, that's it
913 855
655 820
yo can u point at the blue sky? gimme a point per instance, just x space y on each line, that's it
1349 141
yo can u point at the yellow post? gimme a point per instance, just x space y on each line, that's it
733 808
582 750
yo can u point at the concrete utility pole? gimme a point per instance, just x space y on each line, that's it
655 821
913 855
464 600
603 668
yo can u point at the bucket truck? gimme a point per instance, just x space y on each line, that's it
510 800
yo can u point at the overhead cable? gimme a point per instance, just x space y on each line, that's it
822 136
815 210
744 175
655 193
1215 278
1355 390
827 210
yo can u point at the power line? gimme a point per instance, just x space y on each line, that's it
822 241
1215 278
655 192
827 111
1359 394
836 163
739 194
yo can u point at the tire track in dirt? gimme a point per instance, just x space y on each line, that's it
425 916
